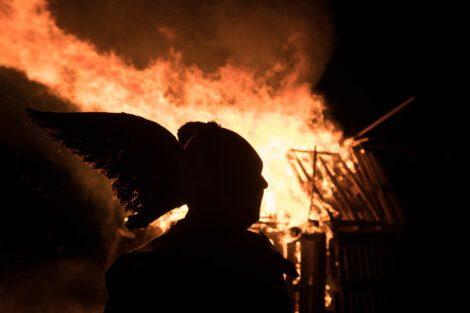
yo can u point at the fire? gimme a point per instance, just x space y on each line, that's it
275 110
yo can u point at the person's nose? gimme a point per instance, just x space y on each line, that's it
264 183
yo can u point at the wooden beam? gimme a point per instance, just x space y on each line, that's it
383 118
369 206
342 193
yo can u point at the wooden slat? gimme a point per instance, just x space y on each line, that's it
340 189
313 273
368 205
374 286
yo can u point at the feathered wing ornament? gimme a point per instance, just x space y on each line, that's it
141 157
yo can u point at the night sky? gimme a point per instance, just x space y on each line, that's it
58 215
386 52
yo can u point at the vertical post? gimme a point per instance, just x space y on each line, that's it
313 276
314 165
314 170
293 283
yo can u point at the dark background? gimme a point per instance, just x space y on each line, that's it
384 52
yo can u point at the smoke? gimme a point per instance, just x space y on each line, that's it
64 286
58 216
209 33
27 142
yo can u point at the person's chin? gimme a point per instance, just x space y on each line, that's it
254 218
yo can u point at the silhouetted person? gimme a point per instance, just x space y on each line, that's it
208 261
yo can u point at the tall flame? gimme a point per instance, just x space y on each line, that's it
275 111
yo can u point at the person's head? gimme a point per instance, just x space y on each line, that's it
223 175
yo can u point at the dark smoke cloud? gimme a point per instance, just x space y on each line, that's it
25 143
209 33
57 216
63 286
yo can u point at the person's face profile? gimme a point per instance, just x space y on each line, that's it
226 178
245 190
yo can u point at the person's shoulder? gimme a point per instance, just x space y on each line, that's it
267 252
134 267
127 259
139 257
257 238
122 270
166 241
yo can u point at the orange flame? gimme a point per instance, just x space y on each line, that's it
275 111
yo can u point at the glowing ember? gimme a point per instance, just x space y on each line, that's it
328 298
273 119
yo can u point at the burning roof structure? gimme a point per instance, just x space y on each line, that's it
356 245
355 195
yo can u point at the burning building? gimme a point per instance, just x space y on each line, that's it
327 208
